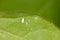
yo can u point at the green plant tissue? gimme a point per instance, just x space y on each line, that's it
28 28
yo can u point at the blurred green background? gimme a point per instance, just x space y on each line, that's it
48 9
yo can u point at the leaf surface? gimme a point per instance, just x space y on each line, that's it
24 28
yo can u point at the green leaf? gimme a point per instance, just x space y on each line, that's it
8 36
43 34
26 28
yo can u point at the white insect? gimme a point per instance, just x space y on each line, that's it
22 20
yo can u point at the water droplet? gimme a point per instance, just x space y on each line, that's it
26 23
28 20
